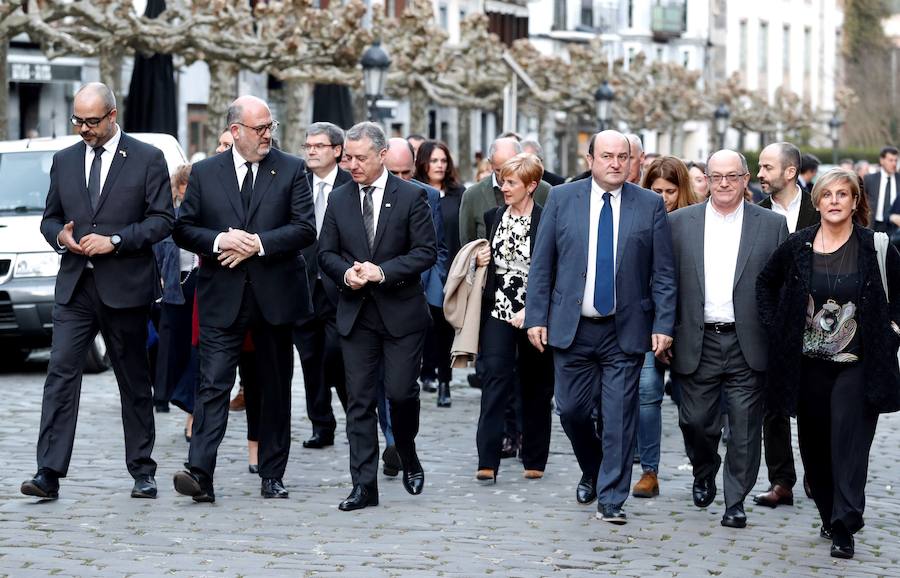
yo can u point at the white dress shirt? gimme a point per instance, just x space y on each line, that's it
792 212
106 159
377 196
721 242
882 185
615 201
240 167
329 183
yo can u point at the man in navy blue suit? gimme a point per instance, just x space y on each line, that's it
601 293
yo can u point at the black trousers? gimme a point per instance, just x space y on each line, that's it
174 353
510 361
248 373
75 326
319 347
778 451
438 341
220 351
835 428
365 348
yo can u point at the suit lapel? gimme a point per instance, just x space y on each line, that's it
626 218
749 229
265 174
384 214
582 219
228 178
698 226
119 159
81 170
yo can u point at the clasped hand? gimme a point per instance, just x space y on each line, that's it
90 245
236 246
361 273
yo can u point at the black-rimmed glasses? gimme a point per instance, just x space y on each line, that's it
261 129
92 122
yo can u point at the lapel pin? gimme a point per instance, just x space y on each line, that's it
273 171
124 154
387 205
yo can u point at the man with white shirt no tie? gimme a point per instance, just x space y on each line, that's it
109 201
720 344
881 186
248 213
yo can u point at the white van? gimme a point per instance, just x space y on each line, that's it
28 265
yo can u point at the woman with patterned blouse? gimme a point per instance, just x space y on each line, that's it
508 358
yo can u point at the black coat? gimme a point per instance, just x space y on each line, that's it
782 290
491 222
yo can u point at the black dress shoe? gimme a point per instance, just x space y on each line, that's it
704 491
443 396
319 441
390 459
612 514
429 385
586 492
359 498
193 485
825 532
413 476
474 380
144 487
735 517
845 550
44 485
253 468
273 488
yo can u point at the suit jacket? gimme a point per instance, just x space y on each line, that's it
645 271
479 198
135 203
553 179
404 248
872 184
281 213
762 231
492 219
808 215
450 203
434 278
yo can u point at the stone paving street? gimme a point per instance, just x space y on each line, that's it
457 527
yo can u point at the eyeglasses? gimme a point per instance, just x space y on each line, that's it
317 147
92 122
730 177
261 129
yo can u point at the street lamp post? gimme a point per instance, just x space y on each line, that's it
604 97
721 116
375 63
834 129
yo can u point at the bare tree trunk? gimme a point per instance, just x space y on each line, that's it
111 69
4 89
464 155
222 90
546 126
418 116
572 145
297 114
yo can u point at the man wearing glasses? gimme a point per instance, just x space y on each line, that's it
315 334
109 201
248 213
720 344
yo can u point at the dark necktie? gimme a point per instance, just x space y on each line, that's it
94 177
886 210
604 277
247 188
369 216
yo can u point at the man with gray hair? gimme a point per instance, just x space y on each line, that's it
637 159
376 241
486 194
315 333
535 148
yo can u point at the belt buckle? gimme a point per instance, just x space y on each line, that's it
717 327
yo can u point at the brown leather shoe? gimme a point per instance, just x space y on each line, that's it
776 496
647 486
237 404
533 474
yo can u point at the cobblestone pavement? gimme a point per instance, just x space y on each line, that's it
457 527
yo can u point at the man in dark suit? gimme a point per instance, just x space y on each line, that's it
720 345
881 186
377 240
601 293
535 148
809 168
779 165
247 213
315 333
109 202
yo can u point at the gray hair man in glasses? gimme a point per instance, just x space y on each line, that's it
720 345
247 213
109 201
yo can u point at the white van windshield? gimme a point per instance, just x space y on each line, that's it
24 180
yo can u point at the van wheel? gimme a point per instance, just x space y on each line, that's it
97 360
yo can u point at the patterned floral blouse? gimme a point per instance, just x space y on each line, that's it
511 251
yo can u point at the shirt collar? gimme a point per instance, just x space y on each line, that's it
238 159
329 178
795 202
598 190
379 183
494 181
732 217
112 145
885 174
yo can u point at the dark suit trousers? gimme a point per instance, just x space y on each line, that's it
595 377
777 446
248 374
835 429
723 368
438 341
319 346
509 360
365 348
220 351
75 325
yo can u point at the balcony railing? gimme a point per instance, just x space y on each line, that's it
668 20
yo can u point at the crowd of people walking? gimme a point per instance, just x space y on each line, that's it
586 295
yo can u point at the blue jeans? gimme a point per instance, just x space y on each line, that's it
650 391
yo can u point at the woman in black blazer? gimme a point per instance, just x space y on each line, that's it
508 359
833 348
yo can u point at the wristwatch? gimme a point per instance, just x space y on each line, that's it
116 240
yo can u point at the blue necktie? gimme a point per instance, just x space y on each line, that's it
605 275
